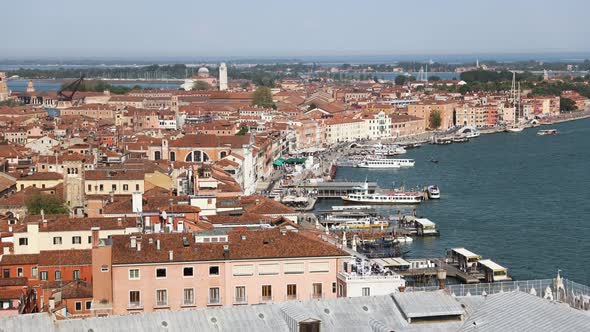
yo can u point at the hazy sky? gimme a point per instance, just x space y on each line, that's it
185 28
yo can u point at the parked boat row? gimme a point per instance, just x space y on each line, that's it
386 163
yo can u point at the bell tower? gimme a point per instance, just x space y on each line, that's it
74 186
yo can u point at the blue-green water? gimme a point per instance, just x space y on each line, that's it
521 200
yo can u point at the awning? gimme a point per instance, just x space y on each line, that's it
279 162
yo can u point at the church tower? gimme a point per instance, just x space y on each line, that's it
30 87
222 77
248 168
4 94
74 186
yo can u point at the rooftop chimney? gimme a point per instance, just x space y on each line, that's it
136 201
158 244
226 251
6 251
138 245
441 275
119 222
171 255
95 237
133 241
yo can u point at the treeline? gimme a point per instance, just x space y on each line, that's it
100 86
556 88
484 76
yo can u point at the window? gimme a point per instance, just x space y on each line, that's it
78 306
90 239
19 272
23 241
76 274
187 271
125 187
240 294
333 287
76 239
214 295
58 275
213 270
88 305
43 275
161 298
366 291
136 187
291 292
266 292
134 299
101 187
317 291
6 273
133 274
89 187
104 268
34 272
114 187
188 297
57 240
161 272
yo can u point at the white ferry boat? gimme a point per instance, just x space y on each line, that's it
514 129
433 192
386 163
362 195
388 150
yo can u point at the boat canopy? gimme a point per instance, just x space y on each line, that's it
492 265
425 222
465 253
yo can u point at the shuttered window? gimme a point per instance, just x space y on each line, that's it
268 269
319 267
294 268
243 270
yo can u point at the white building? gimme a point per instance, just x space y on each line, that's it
355 285
43 145
378 125
345 130
222 77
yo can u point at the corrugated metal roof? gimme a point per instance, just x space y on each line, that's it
465 252
519 311
427 304
491 265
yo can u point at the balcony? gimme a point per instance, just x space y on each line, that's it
241 300
265 299
135 306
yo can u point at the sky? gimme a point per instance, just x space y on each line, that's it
265 28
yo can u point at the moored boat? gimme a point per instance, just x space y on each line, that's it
362 195
433 192
386 163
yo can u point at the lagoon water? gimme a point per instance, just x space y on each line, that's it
519 199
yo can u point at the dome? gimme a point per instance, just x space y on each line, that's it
203 72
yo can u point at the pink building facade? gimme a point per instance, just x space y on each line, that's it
284 271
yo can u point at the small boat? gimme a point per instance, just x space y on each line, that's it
433 192
403 239
545 132
460 139
434 161
442 141
412 146
514 129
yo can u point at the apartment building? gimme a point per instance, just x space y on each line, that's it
115 182
178 271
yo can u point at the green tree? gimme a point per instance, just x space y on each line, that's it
200 85
243 131
402 79
435 119
50 204
567 105
263 97
311 106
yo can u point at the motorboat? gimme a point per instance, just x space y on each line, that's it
433 192
514 129
460 139
545 132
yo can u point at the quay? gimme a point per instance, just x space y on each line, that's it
336 189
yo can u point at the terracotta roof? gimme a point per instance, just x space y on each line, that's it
262 205
22 259
19 281
76 290
65 257
243 244
209 141
106 174
64 223
42 176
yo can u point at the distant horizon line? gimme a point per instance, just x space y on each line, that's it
443 58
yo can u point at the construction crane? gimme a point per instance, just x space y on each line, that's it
67 92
